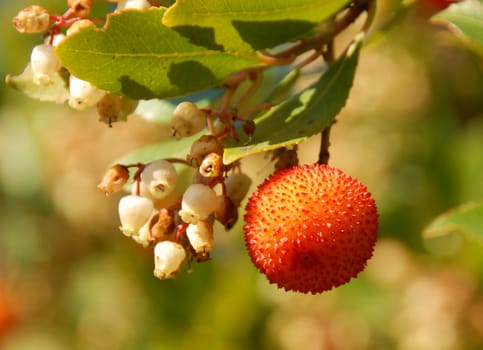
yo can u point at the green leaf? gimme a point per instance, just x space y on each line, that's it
465 220
269 81
250 24
275 80
285 86
161 150
305 114
465 19
57 91
138 57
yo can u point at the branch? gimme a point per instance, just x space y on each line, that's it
329 31
324 153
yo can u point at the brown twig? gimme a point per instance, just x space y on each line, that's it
324 153
330 30
328 52
255 79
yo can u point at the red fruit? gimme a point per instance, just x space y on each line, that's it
310 228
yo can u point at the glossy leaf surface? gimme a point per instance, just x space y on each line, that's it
248 25
465 220
137 56
303 115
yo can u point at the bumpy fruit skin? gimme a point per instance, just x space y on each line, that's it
310 228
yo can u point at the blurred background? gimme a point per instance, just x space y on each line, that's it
412 131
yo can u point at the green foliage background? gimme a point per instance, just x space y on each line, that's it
412 131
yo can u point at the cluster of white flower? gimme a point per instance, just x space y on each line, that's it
180 227
44 64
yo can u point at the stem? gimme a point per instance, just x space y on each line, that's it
255 79
324 153
328 52
227 99
231 84
272 60
257 108
330 30
210 124
313 56
180 231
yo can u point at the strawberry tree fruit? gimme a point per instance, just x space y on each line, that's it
310 228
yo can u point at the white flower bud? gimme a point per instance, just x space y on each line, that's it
79 25
132 4
187 120
200 236
159 177
237 186
44 63
134 212
32 19
83 94
143 236
140 189
198 202
168 259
